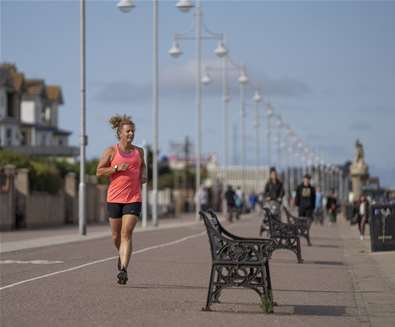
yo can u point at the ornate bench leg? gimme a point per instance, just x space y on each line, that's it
299 251
210 290
269 290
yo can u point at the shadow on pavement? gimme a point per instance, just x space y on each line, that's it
166 286
331 246
325 291
320 310
290 310
329 263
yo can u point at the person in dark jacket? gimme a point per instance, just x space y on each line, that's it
331 206
230 197
305 198
363 215
274 189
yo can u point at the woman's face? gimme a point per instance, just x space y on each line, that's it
273 175
126 134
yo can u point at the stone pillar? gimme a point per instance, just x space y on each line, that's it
7 199
71 198
359 177
22 186
102 196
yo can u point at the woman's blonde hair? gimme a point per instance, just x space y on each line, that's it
118 121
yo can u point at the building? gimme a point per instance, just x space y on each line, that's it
29 116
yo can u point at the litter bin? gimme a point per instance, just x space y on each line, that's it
382 227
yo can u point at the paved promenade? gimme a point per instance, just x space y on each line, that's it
72 282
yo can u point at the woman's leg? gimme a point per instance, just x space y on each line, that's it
116 225
363 223
128 224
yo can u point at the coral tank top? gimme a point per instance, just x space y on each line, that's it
125 186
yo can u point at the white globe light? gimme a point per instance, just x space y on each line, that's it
221 51
184 5
125 5
206 80
257 97
175 50
243 78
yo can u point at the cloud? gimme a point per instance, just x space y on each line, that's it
377 109
178 80
361 126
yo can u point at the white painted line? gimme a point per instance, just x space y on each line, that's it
34 262
103 260
29 244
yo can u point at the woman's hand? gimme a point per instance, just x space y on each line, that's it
123 166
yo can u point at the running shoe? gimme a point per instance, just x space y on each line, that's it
122 277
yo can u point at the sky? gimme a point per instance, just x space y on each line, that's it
327 67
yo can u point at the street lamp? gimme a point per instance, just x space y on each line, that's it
257 99
206 78
175 51
83 137
126 6
269 112
243 80
279 126
184 5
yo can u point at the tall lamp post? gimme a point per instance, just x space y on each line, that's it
243 80
126 6
257 99
269 113
175 51
83 137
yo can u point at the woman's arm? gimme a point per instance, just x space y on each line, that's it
143 167
103 167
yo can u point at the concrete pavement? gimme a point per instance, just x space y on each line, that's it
340 283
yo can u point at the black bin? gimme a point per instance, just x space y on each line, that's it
382 227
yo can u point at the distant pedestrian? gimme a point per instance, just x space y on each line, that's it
363 215
230 197
239 200
305 198
203 198
331 206
274 189
318 211
252 199
124 164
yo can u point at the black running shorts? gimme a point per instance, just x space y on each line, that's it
117 210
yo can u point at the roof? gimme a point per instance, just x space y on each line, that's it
54 94
35 87
9 76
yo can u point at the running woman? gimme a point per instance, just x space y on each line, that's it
124 164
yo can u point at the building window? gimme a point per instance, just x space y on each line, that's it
10 105
24 138
8 136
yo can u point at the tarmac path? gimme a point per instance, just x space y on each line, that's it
74 284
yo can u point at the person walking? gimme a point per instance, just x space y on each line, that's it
274 189
305 198
202 198
363 215
230 196
123 163
319 211
239 201
331 206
